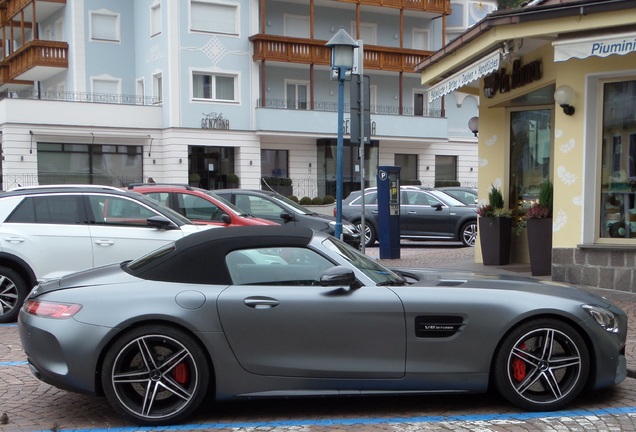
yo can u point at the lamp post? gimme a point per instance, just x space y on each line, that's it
342 46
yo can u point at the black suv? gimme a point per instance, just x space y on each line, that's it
275 207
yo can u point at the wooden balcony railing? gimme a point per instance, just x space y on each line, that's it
51 54
438 6
311 51
14 6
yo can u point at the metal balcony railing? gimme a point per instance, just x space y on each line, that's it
121 99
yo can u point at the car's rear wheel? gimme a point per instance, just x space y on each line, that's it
13 291
468 233
155 375
542 365
370 236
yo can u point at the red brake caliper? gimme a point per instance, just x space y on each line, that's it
181 373
519 366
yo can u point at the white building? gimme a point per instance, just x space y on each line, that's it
119 91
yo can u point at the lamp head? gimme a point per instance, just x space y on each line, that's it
564 96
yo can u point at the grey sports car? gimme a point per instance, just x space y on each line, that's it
280 311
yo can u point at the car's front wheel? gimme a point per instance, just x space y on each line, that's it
468 233
370 236
155 375
13 291
542 365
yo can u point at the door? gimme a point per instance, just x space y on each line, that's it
421 214
120 230
283 323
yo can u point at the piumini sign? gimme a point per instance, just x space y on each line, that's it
502 81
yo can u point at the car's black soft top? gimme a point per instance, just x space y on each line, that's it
200 257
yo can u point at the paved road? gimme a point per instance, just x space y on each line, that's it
29 405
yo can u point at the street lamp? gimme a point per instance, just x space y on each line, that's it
342 46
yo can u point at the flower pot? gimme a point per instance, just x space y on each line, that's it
540 246
495 236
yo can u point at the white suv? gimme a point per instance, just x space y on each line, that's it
50 231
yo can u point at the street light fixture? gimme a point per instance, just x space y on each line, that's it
342 46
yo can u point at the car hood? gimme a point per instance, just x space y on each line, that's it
110 274
430 277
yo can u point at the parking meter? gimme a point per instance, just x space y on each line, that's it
389 211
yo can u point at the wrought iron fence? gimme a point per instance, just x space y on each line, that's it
66 96
333 107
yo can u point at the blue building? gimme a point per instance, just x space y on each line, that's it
117 91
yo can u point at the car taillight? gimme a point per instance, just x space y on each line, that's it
53 310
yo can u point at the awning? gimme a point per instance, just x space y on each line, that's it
465 76
600 46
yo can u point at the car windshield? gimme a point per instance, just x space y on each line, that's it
372 269
289 203
229 205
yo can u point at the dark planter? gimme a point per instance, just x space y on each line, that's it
540 246
494 235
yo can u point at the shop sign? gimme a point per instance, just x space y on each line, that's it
502 81
599 46
214 121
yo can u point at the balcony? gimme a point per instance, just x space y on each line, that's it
311 51
6 80
435 6
38 60
44 8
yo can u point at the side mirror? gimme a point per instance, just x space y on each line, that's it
339 276
225 218
286 217
160 222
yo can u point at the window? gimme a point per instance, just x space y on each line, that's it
111 210
445 167
420 103
420 39
530 155
106 90
104 26
618 161
297 94
114 165
58 209
214 17
217 87
408 171
368 32
157 87
197 208
140 91
155 19
297 26
274 163
293 266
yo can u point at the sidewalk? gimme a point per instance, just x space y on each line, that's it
448 256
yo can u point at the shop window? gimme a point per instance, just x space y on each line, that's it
618 161
530 156
274 163
408 165
445 168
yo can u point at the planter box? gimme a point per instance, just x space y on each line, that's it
495 236
540 246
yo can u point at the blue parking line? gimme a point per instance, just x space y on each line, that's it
13 363
366 421
8 325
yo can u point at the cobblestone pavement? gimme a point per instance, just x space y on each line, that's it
27 404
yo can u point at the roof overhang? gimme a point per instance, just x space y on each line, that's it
599 46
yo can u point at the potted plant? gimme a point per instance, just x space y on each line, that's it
231 181
194 179
538 221
495 229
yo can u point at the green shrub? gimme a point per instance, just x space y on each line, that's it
411 182
317 201
305 200
328 199
294 198
447 183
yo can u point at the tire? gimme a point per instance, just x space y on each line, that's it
542 365
468 233
370 235
177 380
13 292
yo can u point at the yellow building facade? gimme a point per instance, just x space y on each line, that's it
515 60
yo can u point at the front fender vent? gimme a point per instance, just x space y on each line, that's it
437 326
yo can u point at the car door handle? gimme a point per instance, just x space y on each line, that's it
104 242
411 212
374 212
14 239
260 302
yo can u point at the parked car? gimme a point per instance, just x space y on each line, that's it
466 195
277 208
49 231
211 313
425 214
198 205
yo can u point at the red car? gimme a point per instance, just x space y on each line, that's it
198 205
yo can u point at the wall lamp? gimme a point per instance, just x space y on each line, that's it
473 125
564 96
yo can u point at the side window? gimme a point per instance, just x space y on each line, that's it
258 206
67 210
199 208
112 210
160 197
276 266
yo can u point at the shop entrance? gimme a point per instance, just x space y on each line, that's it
211 167
327 152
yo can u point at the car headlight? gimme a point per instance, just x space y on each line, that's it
347 227
603 317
